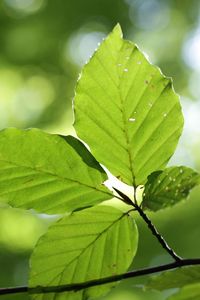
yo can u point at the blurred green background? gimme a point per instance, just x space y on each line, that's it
43 45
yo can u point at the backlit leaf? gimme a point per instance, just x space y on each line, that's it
90 244
127 111
168 187
49 173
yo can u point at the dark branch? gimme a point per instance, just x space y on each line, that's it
149 223
157 234
179 262
101 281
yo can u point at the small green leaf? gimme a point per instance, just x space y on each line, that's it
168 187
175 278
127 111
93 243
49 173
188 292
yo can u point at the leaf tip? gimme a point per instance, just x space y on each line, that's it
118 30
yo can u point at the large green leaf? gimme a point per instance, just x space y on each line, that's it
127 111
168 187
49 173
188 292
175 278
89 244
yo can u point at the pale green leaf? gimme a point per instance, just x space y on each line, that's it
188 292
127 111
49 173
168 187
175 278
90 244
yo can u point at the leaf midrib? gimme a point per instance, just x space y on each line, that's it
125 127
55 175
84 249
117 86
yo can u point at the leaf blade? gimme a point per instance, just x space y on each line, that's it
124 101
175 278
93 239
47 172
169 187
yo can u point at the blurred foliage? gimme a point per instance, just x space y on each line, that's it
43 44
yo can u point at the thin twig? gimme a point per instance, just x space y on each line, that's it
101 281
159 237
179 262
151 226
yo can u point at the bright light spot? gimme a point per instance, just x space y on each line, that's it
81 46
192 120
131 119
32 98
25 6
184 154
23 100
191 50
10 82
117 183
149 15
194 84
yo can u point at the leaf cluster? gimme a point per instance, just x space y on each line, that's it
128 114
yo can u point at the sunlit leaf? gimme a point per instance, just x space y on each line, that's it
188 292
127 111
89 244
175 278
47 172
168 187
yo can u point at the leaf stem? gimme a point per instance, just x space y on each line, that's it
100 281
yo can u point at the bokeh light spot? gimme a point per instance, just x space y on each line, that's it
191 50
25 6
149 15
19 230
81 46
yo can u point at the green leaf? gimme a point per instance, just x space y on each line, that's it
168 187
175 278
49 173
188 292
127 111
90 244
